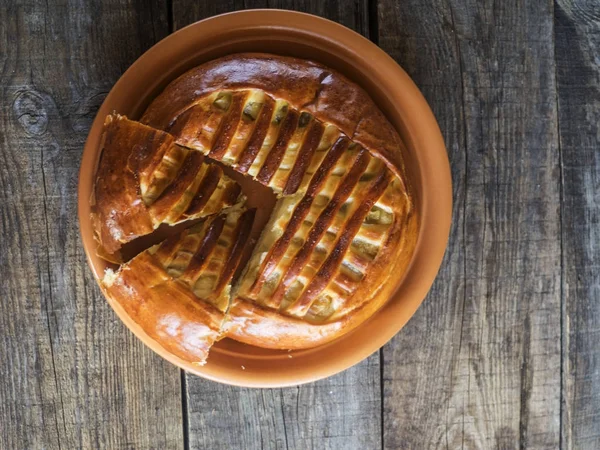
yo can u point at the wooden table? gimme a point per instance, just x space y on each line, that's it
505 351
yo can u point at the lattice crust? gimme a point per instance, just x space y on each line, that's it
344 226
258 135
205 256
177 291
306 86
144 179
319 246
337 210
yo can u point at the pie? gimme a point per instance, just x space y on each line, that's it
341 233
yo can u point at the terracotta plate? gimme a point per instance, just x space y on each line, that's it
304 36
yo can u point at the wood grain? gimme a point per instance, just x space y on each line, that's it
479 365
72 375
342 412
577 33
420 364
515 87
354 14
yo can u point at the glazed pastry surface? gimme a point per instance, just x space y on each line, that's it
177 292
344 227
144 179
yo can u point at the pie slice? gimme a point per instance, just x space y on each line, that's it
177 292
144 179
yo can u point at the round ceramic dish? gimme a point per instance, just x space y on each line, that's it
309 37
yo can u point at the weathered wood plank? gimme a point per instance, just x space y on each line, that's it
420 364
577 34
342 412
479 365
353 14
72 375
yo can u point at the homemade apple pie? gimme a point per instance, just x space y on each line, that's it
341 233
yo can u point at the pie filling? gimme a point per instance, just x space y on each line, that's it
342 224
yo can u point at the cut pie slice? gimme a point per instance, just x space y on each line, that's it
144 179
177 292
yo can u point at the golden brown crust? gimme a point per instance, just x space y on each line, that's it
330 300
255 325
205 257
165 309
177 291
345 227
308 86
252 324
145 179
118 215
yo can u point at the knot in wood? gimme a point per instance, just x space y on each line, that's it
31 112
